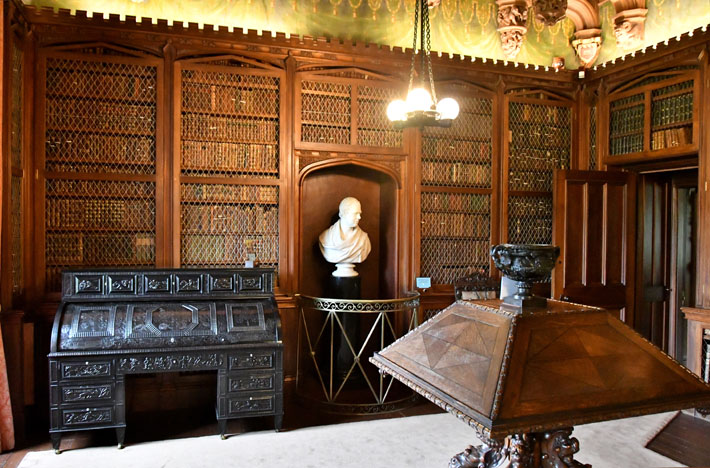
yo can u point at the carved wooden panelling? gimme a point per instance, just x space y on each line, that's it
244 317
81 393
166 320
78 417
166 362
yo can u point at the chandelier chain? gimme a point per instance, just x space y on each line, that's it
414 45
427 51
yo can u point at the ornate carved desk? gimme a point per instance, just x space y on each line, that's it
523 378
112 323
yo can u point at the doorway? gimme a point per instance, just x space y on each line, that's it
666 251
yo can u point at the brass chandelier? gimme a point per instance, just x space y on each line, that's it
420 108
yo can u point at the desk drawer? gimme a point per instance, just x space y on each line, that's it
245 404
83 417
74 370
83 393
252 360
241 382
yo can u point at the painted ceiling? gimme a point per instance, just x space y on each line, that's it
458 26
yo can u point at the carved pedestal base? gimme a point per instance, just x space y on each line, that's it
553 449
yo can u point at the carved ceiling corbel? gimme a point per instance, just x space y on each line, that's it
512 25
549 12
587 44
629 23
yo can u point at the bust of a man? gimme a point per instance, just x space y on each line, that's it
344 243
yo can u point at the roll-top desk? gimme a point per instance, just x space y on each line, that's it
111 323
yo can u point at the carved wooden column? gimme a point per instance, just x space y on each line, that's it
512 25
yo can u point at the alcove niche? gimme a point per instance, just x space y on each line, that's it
322 186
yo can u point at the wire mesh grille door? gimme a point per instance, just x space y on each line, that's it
222 223
325 112
455 235
229 133
100 120
539 143
626 117
17 174
529 220
460 156
373 127
455 225
230 124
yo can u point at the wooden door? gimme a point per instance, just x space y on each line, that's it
594 226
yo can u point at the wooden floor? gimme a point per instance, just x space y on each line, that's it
685 439
194 422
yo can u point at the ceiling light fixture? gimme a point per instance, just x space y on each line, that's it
420 108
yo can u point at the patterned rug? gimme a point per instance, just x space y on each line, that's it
414 442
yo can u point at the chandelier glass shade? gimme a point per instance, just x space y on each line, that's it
420 108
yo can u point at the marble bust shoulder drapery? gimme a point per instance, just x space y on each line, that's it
345 241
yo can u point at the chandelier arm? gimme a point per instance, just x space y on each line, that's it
412 68
426 31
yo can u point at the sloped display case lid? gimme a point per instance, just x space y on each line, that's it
505 372
112 326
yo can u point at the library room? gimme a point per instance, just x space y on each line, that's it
399 233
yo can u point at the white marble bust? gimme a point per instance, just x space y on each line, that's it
344 243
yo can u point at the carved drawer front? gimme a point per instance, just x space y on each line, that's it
85 369
250 382
250 404
255 360
252 283
89 416
77 394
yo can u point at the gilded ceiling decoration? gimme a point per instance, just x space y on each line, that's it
582 32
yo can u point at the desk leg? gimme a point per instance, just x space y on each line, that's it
120 435
56 439
278 422
222 423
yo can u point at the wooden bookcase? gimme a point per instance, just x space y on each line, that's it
227 144
538 141
98 139
456 188
342 108
653 117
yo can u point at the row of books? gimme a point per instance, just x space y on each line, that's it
229 99
447 274
629 119
99 167
455 202
673 88
454 224
230 156
530 181
321 108
236 219
671 137
444 173
457 149
229 79
530 206
90 84
199 126
672 109
626 144
321 134
623 102
100 188
228 249
387 138
539 136
229 193
456 252
538 113
111 149
538 159
97 115
93 249
136 214
523 230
